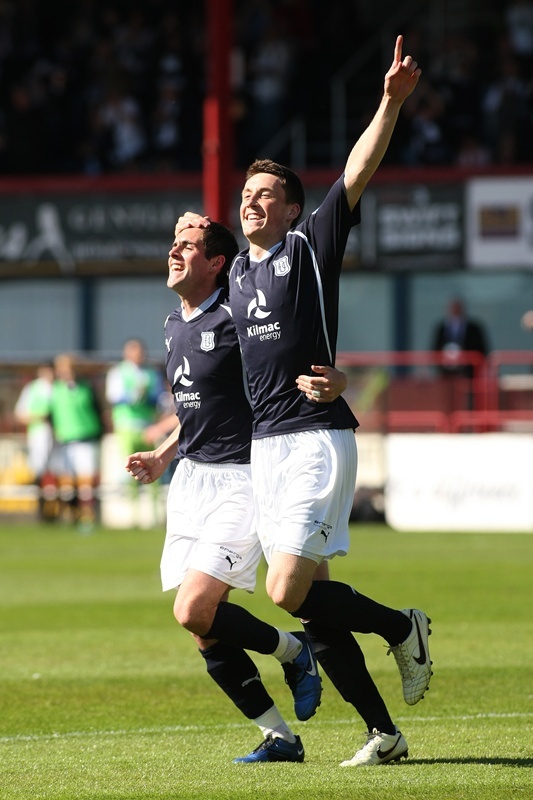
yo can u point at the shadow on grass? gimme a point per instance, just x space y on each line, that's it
502 762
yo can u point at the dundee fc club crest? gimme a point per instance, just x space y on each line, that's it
208 341
282 266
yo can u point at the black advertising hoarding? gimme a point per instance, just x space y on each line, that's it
416 226
89 233
405 226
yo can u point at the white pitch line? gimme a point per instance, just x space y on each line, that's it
225 726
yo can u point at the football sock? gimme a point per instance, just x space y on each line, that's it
288 648
235 625
238 677
271 722
343 661
338 605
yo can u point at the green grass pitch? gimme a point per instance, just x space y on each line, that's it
103 696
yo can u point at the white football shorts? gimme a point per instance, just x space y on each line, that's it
40 445
210 525
79 459
304 486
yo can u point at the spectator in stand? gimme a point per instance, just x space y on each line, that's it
456 334
33 410
166 136
506 114
120 116
427 144
269 83
457 74
519 22
134 39
77 426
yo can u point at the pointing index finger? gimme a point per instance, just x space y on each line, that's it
398 49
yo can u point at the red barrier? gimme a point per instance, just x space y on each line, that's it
393 391
417 391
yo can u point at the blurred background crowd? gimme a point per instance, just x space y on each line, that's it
91 87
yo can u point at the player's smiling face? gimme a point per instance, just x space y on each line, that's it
189 271
265 214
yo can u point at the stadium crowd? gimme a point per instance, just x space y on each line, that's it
93 88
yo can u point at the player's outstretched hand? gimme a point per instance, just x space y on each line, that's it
402 76
324 387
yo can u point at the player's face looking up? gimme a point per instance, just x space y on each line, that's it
190 273
265 214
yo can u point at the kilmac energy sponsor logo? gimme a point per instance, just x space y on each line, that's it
188 399
272 330
181 375
266 330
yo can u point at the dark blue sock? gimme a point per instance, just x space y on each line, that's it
238 677
236 626
343 661
337 605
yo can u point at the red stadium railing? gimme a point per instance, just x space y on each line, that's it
423 391
411 391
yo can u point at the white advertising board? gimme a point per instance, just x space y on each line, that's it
463 482
499 223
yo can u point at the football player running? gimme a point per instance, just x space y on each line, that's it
211 544
284 299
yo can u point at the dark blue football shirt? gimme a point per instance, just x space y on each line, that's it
204 369
285 310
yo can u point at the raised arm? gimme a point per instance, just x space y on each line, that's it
371 146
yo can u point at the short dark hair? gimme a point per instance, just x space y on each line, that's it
294 190
220 241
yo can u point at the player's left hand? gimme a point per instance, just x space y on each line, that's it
402 76
323 387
